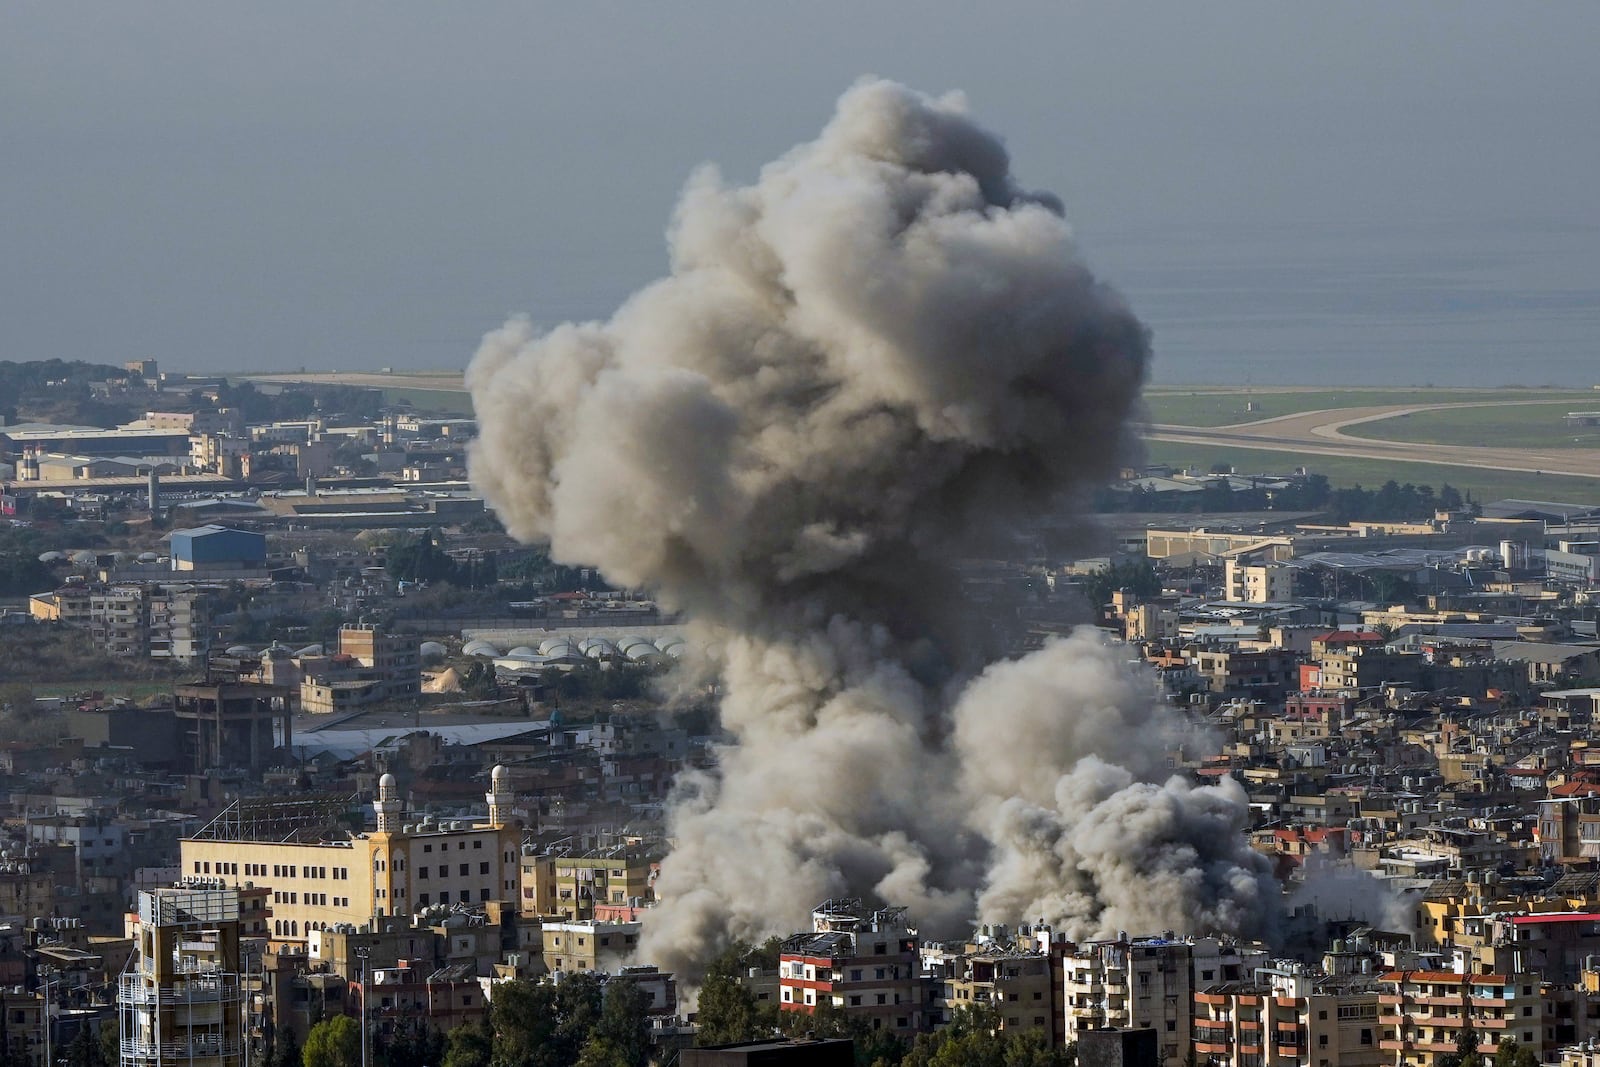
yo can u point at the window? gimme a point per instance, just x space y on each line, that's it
427 848
460 845
444 898
422 899
883 998
483 894
422 874
464 869
483 868
477 844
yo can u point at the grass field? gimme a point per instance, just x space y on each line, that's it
440 401
1371 473
1225 408
1518 426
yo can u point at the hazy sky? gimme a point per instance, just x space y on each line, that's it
1287 192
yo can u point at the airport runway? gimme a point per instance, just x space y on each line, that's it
1321 433
1318 433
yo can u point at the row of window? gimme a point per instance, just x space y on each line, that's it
444 846
444 870
279 870
313 900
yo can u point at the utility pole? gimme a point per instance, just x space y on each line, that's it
363 952
45 973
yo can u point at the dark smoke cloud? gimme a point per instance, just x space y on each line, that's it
877 356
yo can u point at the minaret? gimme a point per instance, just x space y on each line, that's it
499 796
389 806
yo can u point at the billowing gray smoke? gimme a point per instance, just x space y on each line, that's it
875 358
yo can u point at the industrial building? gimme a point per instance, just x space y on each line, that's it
217 547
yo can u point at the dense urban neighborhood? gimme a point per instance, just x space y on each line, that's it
304 758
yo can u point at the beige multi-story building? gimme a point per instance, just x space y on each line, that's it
371 667
1258 583
588 945
1285 1015
1148 984
161 622
322 877
1015 984
591 885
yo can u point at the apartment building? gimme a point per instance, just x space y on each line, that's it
864 962
1017 985
588 945
1148 984
1258 583
1421 1014
1286 1015
595 884
371 667
159 622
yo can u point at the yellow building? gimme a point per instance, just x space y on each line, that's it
588 886
1446 903
321 877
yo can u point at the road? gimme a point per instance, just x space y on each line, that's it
1321 433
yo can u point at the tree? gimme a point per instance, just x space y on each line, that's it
1511 1054
578 1009
522 1017
601 1052
1138 576
110 1043
625 1022
470 1045
727 1012
416 1045
285 1049
334 1042
1466 1053
84 1050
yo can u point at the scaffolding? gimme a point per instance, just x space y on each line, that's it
279 819
179 1000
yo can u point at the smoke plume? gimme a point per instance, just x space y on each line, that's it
881 355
